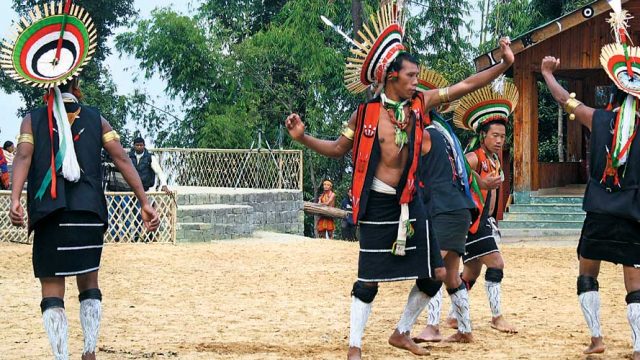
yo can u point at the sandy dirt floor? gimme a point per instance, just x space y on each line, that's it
284 297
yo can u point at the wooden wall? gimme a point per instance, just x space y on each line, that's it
578 49
558 174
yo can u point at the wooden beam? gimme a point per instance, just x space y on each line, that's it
545 32
324 210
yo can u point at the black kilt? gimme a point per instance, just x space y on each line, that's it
379 230
610 238
482 243
67 243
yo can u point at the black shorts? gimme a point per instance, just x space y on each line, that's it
451 229
67 244
483 242
610 238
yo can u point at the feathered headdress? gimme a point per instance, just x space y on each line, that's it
621 61
485 105
430 80
49 47
381 42
46 50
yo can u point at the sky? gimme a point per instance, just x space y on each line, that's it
122 68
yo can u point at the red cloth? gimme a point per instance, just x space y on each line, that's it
4 172
325 224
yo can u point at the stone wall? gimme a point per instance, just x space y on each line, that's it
206 214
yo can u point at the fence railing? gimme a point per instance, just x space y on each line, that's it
258 169
125 221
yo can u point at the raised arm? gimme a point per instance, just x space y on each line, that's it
438 96
583 113
124 165
331 148
21 165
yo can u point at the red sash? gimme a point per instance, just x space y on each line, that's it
367 119
485 168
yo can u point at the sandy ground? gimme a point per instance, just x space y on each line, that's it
283 297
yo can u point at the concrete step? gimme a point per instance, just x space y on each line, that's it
214 213
544 216
550 224
556 199
546 208
514 235
194 226
569 190
237 196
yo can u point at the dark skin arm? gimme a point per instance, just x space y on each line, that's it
467 86
474 82
583 113
331 148
123 163
21 165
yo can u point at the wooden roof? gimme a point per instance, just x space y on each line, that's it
587 24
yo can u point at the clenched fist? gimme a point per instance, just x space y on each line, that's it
295 126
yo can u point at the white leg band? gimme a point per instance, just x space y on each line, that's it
90 315
633 314
460 301
56 326
416 303
435 306
493 294
590 304
360 312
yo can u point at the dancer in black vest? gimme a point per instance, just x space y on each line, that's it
69 218
386 135
611 230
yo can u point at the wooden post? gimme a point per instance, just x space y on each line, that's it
525 130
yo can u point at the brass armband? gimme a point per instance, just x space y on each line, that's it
347 132
444 95
25 138
110 136
571 105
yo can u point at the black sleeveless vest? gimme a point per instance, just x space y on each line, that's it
147 176
442 191
84 195
623 201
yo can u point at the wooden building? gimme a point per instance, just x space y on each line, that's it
576 39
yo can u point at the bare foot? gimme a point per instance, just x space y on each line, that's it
502 325
452 322
430 333
460 338
636 355
89 356
596 346
354 353
403 341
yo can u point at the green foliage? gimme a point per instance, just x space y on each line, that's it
240 66
435 36
508 18
548 124
240 19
